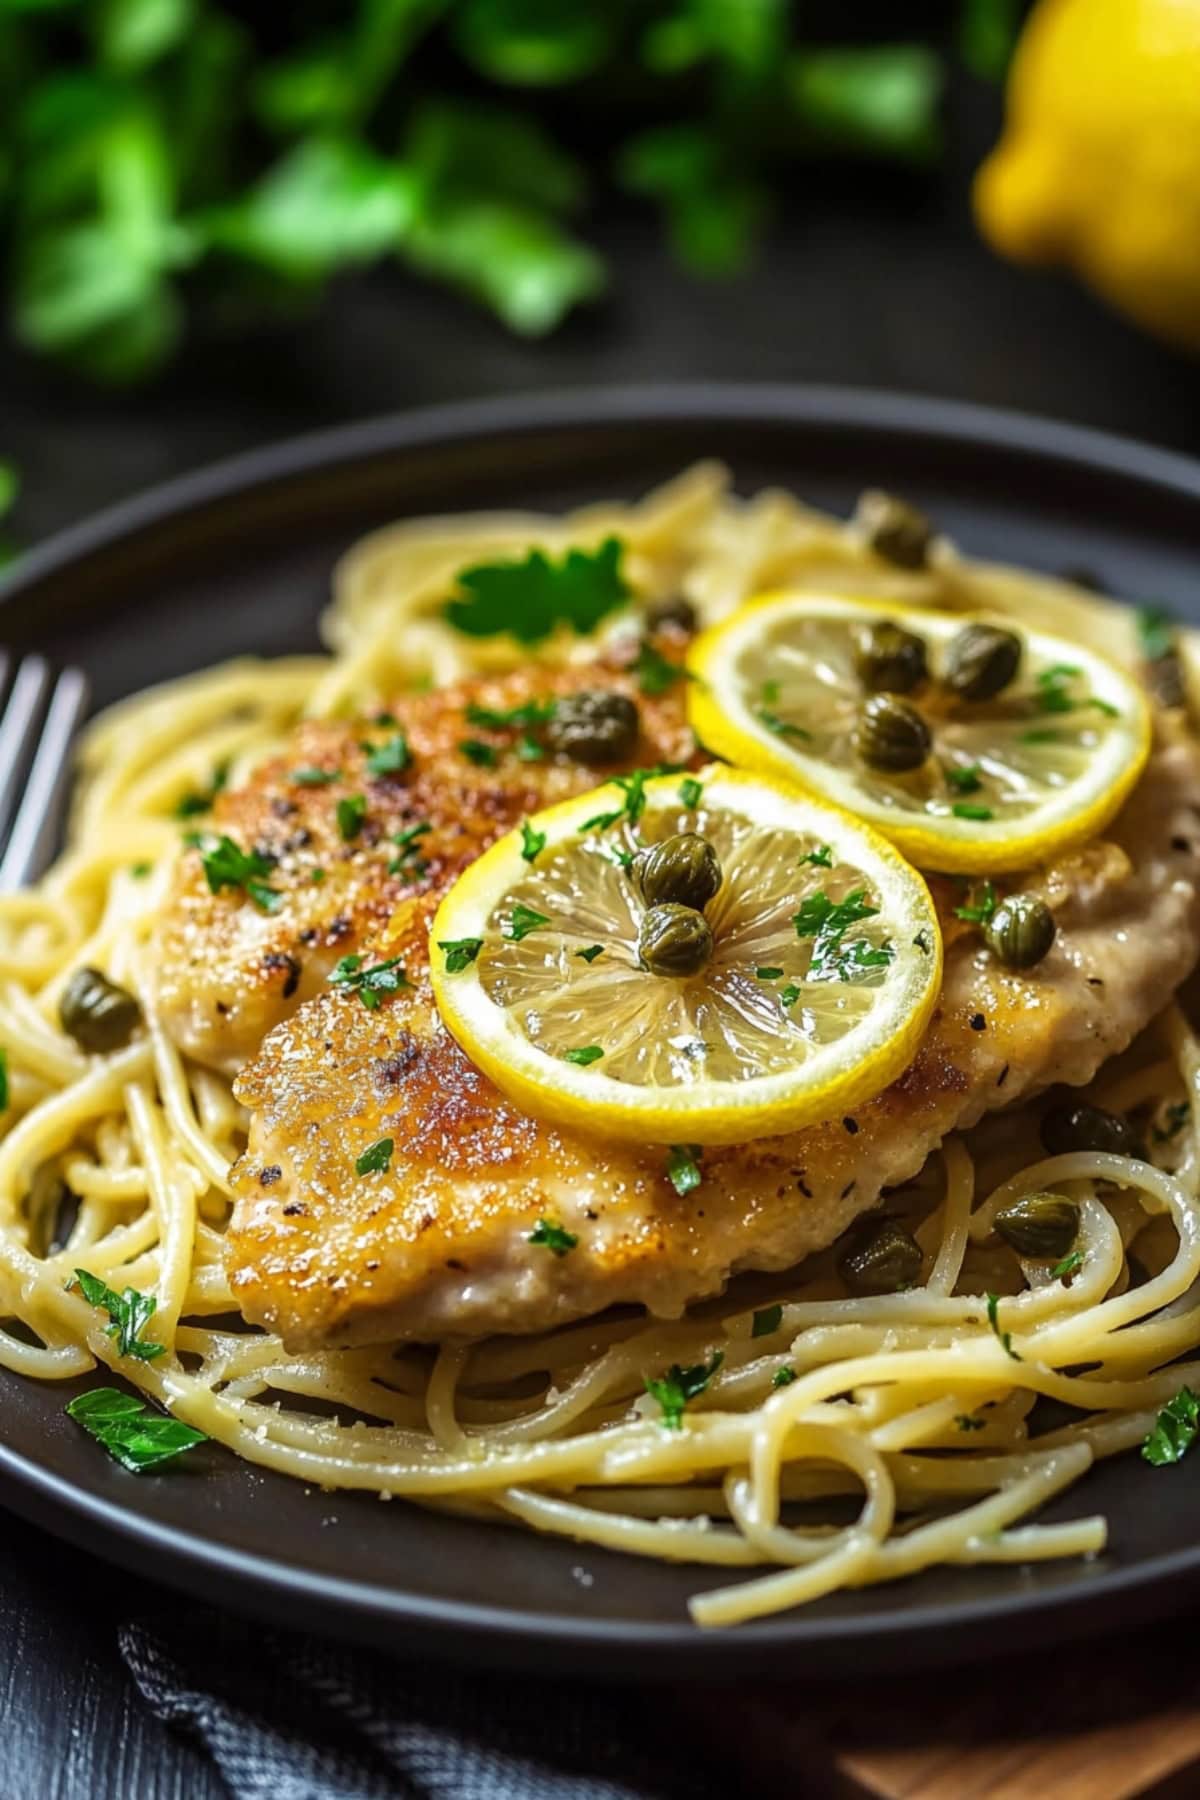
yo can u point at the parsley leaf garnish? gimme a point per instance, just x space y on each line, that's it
993 1313
532 842
768 973
690 791
834 957
314 777
351 816
371 981
820 858
529 750
678 1386
589 1053
479 753
766 1320
782 727
555 1237
133 1435
633 786
965 779
683 1167
194 803
140 870
460 953
405 841
128 1312
522 920
376 1158
1174 1430
655 673
1067 1266
981 904
226 865
966 809
390 758
591 953
783 1377
1156 632
528 599
512 718
789 995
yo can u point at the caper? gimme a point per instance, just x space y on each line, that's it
894 529
888 659
673 610
594 727
97 1013
1084 1127
1020 931
674 940
882 1260
891 734
684 868
982 660
1041 1227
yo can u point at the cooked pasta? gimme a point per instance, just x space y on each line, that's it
842 1440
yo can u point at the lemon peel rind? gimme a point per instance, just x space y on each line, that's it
954 846
588 1101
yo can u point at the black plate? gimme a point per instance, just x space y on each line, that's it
237 559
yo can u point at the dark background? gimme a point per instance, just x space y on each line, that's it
875 280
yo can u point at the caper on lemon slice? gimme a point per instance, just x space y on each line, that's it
765 960
970 744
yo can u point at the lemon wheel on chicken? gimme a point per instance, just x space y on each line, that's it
972 745
688 959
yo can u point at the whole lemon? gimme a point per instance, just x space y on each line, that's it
1099 164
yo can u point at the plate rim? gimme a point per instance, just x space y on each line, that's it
480 1633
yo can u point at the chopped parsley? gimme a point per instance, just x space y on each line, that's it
390 758
834 956
633 786
782 727
1044 734
768 973
967 809
655 673
589 1053
529 750
226 865
369 981
409 862
523 920
1174 1430
683 1167
460 953
554 1237
1053 696
789 995
375 1158
768 693
314 777
1067 1266
128 1313
512 718
479 753
766 1320
690 791
591 953
969 1422
197 802
529 598
993 1313
1174 1120
980 904
4 1096
1156 632
965 779
133 1435
351 816
678 1386
140 870
317 877
783 1377
532 842
820 858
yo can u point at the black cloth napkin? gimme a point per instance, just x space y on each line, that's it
291 1717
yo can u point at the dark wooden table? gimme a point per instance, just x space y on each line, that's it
895 293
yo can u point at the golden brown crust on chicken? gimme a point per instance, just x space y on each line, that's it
228 971
438 1244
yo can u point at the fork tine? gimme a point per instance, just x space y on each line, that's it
35 828
18 732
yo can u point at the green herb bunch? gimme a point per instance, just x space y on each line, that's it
156 151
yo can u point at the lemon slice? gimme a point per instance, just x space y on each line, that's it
823 966
1009 780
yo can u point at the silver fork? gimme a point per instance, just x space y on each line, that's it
41 718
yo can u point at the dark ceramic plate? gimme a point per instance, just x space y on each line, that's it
238 559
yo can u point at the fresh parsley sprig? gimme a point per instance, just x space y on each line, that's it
550 1236
227 865
370 981
1174 1431
679 1386
129 1312
531 598
133 1435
